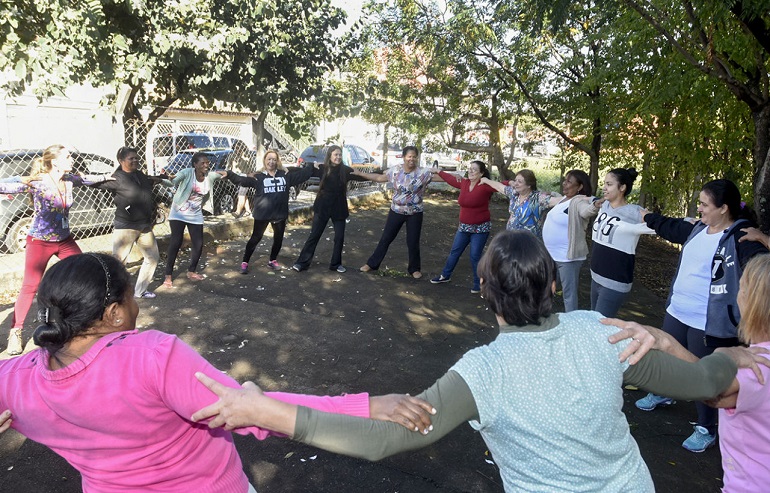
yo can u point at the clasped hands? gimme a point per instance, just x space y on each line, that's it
237 408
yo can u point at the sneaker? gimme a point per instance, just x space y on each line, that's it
440 279
297 267
147 295
341 269
475 290
700 440
274 265
651 401
244 267
15 346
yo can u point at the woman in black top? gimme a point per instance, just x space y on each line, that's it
331 202
271 203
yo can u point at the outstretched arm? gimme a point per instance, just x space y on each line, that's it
381 178
494 184
351 436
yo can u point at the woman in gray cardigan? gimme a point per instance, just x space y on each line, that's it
564 233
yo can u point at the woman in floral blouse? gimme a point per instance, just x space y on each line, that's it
49 233
527 202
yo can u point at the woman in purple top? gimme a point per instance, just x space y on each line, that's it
49 233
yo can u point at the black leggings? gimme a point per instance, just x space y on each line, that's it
175 243
279 227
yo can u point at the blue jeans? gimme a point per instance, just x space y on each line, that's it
462 239
569 276
605 300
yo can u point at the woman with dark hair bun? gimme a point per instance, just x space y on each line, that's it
475 220
616 233
115 403
546 395
564 233
702 312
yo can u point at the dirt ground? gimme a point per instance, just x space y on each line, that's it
327 333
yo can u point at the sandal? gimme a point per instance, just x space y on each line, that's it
168 284
194 276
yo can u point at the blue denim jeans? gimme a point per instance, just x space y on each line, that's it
605 300
569 276
477 242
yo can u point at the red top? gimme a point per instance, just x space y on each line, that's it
474 204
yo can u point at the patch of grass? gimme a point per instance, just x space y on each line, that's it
388 272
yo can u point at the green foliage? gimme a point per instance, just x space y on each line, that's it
267 54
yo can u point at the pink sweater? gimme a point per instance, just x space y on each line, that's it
120 415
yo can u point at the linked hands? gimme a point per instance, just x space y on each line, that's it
237 408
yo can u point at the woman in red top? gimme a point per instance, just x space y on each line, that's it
475 223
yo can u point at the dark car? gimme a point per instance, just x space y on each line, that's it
92 212
316 153
225 194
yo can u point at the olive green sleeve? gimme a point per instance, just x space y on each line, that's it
663 374
375 440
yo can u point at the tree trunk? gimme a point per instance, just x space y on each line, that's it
385 143
258 127
761 154
646 160
596 147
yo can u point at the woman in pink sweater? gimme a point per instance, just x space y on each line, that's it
475 220
115 403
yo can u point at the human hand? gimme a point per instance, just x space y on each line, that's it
643 212
410 412
5 420
598 202
754 234
234 409
748 357
641 339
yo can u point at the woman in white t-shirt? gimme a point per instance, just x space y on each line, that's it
564 233
193 190
702 312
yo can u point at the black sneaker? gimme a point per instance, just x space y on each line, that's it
440 279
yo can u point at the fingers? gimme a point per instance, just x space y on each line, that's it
206 412
5 420
755 368
210 383
249 385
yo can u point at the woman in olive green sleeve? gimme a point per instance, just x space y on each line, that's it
546 394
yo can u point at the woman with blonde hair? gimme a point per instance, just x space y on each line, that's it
49 233
271 203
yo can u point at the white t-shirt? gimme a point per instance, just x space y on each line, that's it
555 232
690 294
191 210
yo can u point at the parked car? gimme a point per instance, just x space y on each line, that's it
225 194
447 161
92 213
394 154
165 147
316 153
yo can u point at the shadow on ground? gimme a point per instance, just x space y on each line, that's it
326 333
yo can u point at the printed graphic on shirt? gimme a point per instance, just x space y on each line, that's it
718 266
274 184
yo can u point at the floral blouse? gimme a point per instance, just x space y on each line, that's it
52 206
526 214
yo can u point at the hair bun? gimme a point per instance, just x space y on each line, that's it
632 173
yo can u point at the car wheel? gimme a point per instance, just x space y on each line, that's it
293 193
16 239
226 204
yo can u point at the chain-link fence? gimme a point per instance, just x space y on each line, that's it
168 147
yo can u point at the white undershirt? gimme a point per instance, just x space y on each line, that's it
556 232
690 294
